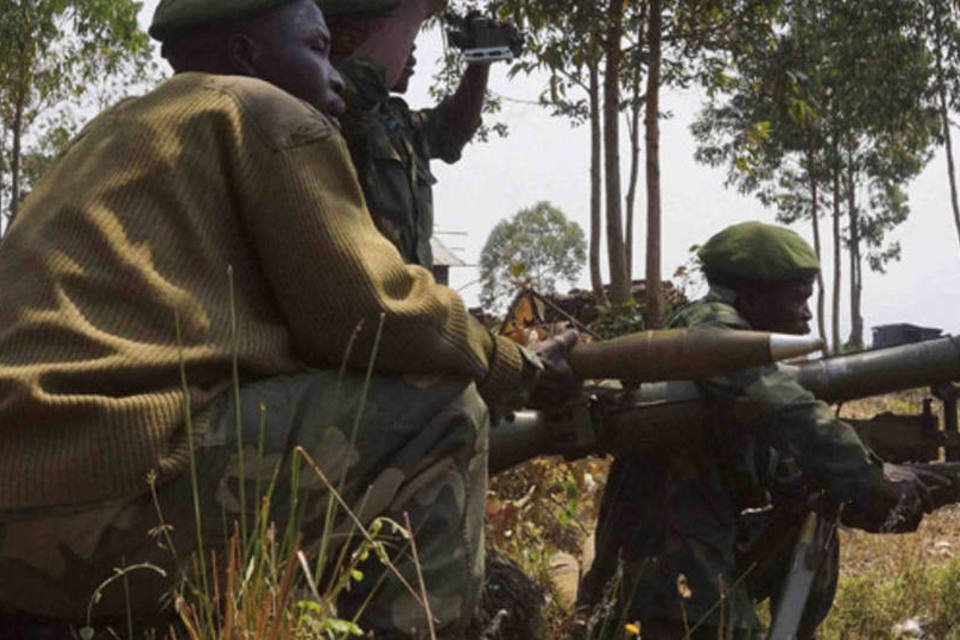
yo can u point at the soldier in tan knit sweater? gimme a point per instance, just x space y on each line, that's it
216 223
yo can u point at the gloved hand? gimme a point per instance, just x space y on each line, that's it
557 384
895 504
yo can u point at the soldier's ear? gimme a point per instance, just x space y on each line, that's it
243 55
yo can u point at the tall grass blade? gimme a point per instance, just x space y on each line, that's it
331 514
423 587
191 446
359 525
238 417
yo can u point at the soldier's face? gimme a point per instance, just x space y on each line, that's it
291 49
781 307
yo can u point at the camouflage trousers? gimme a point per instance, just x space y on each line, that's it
691 589
670 529
674 554
408 447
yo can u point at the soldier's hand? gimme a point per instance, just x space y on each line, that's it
898 502
508 35
557 384
939 489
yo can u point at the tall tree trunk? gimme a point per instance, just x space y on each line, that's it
24 49
3 170
654 309
945 112
837 241
596 279
951 171
815 220
856 283
633 126
619 279
16 129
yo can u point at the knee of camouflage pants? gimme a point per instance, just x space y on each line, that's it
406 447
413 446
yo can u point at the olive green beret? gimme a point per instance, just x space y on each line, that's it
758 251
356 8
174 18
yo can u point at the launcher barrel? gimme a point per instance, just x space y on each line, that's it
663 416
685 354
879 371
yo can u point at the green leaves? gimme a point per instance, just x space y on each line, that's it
830 112
537 247
57 56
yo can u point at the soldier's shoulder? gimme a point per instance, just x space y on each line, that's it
284 120
710 312
398 105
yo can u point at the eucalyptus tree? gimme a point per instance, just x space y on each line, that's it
538 246
56 53
609 59
765 121
941 24
885 128
829 113
686 41
588 51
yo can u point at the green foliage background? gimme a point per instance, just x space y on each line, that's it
58 60
537 247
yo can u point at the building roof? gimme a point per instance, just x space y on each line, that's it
443 256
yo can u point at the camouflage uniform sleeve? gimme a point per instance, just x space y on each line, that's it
436 128
826 448
440 133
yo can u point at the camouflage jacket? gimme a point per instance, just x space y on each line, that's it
391 147
685 512
800 427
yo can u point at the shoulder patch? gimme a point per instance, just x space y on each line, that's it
284 120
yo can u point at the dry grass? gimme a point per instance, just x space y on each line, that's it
540 509
899 586
892 583
903 402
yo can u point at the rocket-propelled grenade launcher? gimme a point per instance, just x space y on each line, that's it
658 416
685 354
645 356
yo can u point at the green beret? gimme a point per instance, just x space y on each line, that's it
758 251
174 18
356 8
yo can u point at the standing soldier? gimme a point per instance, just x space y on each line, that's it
392 145
681 524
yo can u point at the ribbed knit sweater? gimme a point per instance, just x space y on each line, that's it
139 222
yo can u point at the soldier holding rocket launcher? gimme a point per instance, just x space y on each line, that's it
691 511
